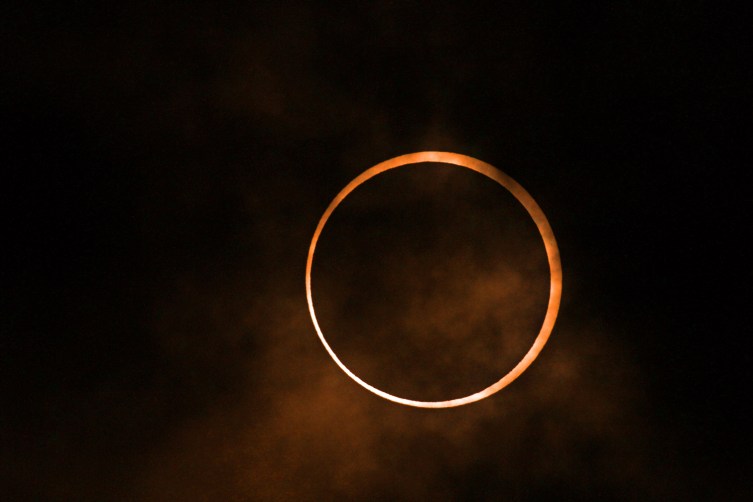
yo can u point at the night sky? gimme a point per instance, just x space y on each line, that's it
164 166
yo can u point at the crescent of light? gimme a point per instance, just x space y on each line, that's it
552 252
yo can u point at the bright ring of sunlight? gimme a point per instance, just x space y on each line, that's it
552 252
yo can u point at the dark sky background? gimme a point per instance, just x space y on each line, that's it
164 165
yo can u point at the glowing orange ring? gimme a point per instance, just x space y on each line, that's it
552 252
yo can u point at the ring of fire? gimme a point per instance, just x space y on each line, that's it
550 244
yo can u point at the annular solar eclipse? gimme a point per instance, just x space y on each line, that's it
535 212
